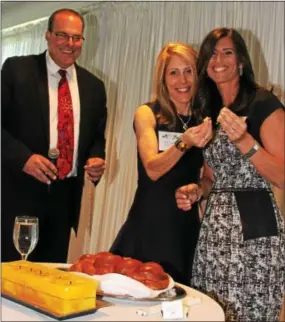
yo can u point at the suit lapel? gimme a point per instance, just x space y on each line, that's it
41 79
83 95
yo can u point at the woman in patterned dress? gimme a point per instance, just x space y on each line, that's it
240 256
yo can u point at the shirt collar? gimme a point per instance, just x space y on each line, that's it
53 68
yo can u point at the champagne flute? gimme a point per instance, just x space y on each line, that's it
25 235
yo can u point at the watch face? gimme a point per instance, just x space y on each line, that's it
182 146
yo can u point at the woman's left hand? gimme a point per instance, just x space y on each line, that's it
235 126
199 135
187 195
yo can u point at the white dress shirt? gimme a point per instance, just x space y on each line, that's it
53 80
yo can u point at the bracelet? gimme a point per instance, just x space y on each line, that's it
182 147
201 197
252 151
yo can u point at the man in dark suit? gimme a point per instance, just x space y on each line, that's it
33 94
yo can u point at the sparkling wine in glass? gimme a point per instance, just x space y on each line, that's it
25 235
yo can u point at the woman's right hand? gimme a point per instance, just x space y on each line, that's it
199 135
187 195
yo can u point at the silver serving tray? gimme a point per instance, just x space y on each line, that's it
177 292
47 313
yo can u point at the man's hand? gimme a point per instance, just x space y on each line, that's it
40 168
95 168
187 195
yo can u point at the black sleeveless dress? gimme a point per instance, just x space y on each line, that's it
156 230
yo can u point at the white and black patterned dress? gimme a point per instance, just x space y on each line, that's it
240 257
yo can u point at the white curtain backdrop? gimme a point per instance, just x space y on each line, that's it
122 42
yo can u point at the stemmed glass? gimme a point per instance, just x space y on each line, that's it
25 235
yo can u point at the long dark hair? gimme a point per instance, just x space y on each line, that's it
208 99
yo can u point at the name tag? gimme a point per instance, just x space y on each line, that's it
172 310
166 139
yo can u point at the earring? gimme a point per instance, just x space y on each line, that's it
240 70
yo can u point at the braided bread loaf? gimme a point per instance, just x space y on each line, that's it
150 274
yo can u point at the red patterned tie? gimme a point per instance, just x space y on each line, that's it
65 142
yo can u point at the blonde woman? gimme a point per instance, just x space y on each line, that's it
155 229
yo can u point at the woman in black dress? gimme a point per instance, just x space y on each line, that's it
155 229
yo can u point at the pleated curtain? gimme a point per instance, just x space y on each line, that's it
122 42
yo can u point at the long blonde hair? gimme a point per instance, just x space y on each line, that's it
160 93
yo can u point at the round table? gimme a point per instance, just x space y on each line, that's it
122 310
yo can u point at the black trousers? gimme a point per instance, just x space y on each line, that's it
53 208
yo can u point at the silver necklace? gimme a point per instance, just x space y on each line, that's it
184 124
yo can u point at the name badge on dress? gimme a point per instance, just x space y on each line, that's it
166 139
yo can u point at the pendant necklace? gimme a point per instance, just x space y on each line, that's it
184 124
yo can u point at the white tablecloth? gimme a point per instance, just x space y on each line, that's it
121 310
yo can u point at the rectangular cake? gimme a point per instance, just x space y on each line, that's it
48 289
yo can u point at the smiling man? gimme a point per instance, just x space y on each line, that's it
53 125
64 37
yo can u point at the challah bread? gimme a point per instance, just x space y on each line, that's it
150 274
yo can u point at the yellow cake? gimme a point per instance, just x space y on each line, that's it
49 289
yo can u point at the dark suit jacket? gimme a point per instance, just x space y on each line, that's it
25 127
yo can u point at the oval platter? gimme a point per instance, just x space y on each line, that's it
177 292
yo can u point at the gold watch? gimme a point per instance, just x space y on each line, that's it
182 147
